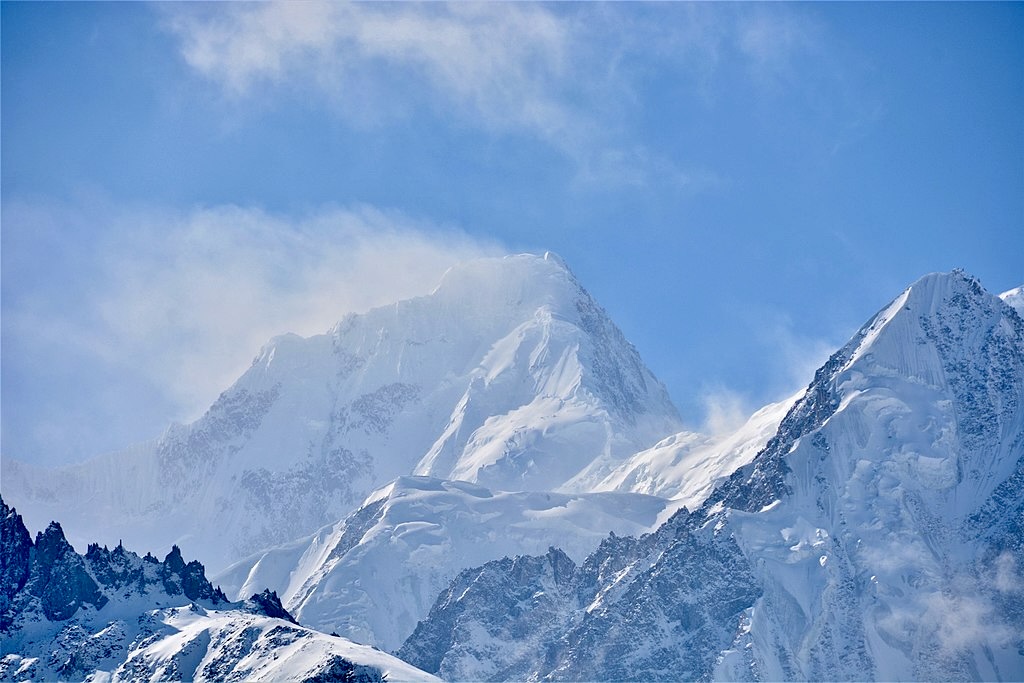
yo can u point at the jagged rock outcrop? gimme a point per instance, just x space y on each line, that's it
268 604
47 579
15 559
58 578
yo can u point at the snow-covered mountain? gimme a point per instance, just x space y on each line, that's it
879 535
373 576
112 615
509 375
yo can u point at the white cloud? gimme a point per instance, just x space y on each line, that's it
964 621
799 356
772 40
1006 577
725 411
568 75
503 64
183 301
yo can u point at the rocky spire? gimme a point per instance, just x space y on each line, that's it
15 550
58 576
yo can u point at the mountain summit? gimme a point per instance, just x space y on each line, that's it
509 375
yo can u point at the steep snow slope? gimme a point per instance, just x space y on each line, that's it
114 615
509 375
374 575
878 535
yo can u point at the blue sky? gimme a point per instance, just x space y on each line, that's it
740 185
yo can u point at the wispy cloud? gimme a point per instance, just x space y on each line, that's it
725 411
772 40
183 301
227 278
1005 575
567 75
963 621
503 64
799 355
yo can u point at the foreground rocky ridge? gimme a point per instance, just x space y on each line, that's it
879 535
111 613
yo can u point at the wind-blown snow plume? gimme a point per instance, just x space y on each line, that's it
181 302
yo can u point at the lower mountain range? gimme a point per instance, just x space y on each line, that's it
489 483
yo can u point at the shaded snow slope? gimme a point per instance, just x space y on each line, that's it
373 576
879 535
112 615
509 375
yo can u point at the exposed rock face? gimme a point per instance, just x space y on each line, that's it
655 608
15 559
58 578
521 600
268 604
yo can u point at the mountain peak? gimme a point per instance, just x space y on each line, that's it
523 282
905 335
552 256
935 288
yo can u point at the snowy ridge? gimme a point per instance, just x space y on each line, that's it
274 650
373 576
687 466
509 375
878 535
112 615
